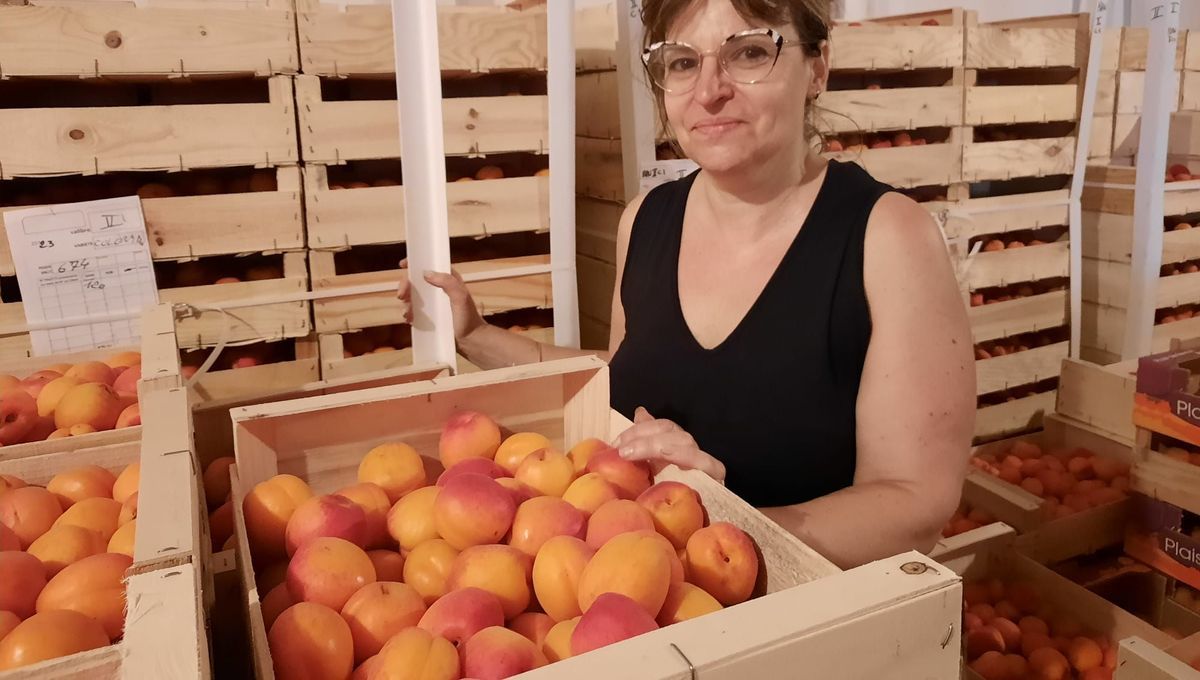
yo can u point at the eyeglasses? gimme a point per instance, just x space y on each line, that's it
747 57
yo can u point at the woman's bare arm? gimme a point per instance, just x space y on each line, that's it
916 403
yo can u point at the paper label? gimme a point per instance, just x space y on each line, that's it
659 172
82 263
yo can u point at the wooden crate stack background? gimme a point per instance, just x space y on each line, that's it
198 118
1131 88
495 104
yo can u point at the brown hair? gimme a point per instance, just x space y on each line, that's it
810 19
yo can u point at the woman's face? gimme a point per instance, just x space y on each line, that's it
724 125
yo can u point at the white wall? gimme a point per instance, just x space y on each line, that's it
1121 12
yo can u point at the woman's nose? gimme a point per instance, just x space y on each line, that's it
712 85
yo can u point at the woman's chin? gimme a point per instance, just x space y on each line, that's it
720 161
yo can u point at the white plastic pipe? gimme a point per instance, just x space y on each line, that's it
419 97
1163 21
560 90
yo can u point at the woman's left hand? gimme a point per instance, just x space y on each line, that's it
661 442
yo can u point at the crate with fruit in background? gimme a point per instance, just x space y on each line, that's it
1110 248
1131 88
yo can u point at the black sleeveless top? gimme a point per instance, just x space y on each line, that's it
775 401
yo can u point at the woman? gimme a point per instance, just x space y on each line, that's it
784 324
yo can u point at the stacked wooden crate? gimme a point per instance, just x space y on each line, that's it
196 117
496 122
1110 249
1131 88
1100 146
1189 95
599 182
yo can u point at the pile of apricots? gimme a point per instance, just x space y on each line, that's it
1070 480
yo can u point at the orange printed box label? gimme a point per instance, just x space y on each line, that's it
1167 401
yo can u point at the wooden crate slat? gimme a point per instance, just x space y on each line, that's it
89 41
1135 50
1101 146
1024 315
98 139
1189 96
911 166
1180 289
1106 93
337 131
596 111
358 41
1126 135
166 636
1020 158
1132 87
1141 660
599 172
381 309
234 383
896 47
375 215
1021 368
98 664
1008 104
1006 48
1167 480
891 109
1014 416
1032 263
596 223
1002 214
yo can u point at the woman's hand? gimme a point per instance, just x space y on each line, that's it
462 306
661 442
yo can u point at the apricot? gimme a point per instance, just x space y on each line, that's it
520 492
220 524
582 452
1033 624
630 477
128 510
427 567
319 516
93 586
126 483
590 491
462 613
8 540
557 645
24 579
468 434
723 561
91 372
8 621
498 652
1024 597
129 359
1097 674
76 484
101 515
546 471
122 542
541 518
1084 654
472 509
267 509
613 617
983 640
377 612
501 570
514 449
94 404
33 385
632 564
29 512
270 576
535 626
676 510
50 635
1009 631
310 640
216 481
557 570
483 466
489 172
1048 663
1007 610
991 666
276 601
617 517
10 482
52 393
328 571
64 545
686 601
389 564
410 521
415 654
984 612
397 468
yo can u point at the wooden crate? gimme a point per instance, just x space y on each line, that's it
93 40
339 314
900 43
1001 373
867 101
1100 397
1040 42
1135 49
1005 160
97 139
596 111
356 40
1192 48
338 131
935 164
1189 95
1132 88
187 227
566 401
1164 478
375 215
599 169
1012 417
1142 660
230 383
335 365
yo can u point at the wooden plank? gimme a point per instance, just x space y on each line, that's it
358 41
1001 47
1032 263
166 635
1189 96
1177 290
1020 158
1022 368
1126 134
596 112
596 38
1110 56
381 309
896 47
596 223
89 41
596 282
237 382
337 131
1014 416
98 139
1184 136
1100 396
1025 315
912 166
1135 48
1141 660
98 664
1132 88
375 215
174 534
1168 480
1004 105
1106 93
853 111
598 169
1192 59
1001 214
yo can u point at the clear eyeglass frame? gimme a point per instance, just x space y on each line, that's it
648 54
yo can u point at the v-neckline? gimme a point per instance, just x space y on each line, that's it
787 255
